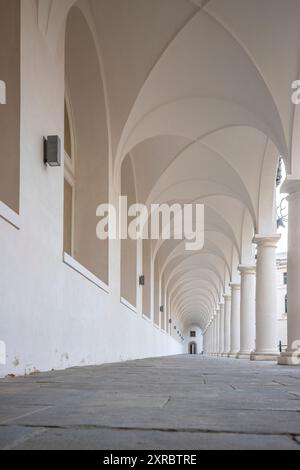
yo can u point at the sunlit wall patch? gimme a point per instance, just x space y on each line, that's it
2 92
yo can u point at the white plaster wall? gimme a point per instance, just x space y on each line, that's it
50 315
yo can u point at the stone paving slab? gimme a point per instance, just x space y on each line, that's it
151 440
182 402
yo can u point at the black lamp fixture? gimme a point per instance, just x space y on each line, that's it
52 150
279 173
170 320
142 280
161 309
282 213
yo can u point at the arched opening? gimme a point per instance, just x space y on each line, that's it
128 246
193 348
86 148
157 312
163 305
147 274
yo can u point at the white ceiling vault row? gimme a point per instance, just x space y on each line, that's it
198 93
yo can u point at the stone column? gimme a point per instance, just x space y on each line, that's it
215 343
212 349
211 330
221 329
227 320
235 328
247 317
292 355
205 340
217 317
266 299
210 337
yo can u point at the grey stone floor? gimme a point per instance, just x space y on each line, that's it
174 403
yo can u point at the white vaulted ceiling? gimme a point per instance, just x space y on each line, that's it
198 93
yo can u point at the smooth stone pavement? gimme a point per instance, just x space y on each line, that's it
173 403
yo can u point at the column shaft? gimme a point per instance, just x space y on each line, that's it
215 347
235 328
247 324
227 321
292 355
221 329
266 299
217 331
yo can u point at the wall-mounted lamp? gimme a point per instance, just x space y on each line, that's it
170 320
52 150
161 309
175 328
142 280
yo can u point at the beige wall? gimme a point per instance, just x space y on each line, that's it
10 112
85 91
147 274
128 247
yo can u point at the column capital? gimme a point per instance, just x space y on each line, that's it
227 297
291 185
235 286
267 240
247 269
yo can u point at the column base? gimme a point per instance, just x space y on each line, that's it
243 355
264 356
289 358
233 355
